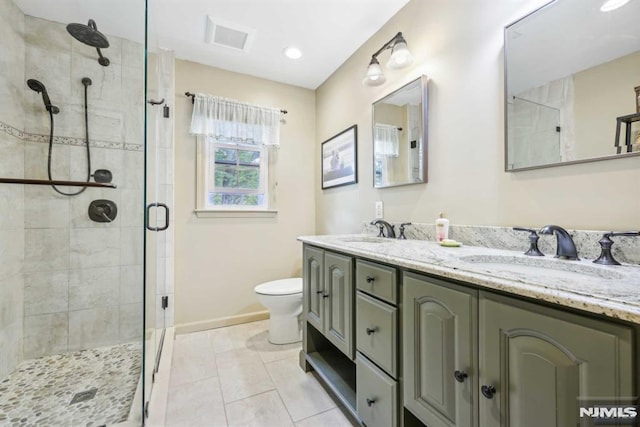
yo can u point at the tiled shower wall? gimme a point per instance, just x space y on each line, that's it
68 283
12 53
83 279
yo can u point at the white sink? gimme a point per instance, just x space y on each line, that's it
542 267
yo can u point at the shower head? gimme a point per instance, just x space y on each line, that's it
89 35
39 87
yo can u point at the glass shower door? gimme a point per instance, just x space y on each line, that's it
159 201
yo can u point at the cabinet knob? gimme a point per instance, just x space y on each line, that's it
488 391
460 376
372 330
325 295
371 401
370 279
319 292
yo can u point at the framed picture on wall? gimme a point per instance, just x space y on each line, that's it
340 159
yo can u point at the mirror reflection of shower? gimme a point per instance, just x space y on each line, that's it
89 35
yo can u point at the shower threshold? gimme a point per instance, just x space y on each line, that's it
91 387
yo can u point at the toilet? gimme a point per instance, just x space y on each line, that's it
283 298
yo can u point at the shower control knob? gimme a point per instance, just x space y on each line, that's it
103 210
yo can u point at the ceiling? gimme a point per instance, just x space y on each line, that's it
327 31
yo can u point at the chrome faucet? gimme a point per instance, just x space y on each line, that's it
566 248
382 224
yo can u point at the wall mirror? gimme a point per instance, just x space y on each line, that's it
572 77
400 136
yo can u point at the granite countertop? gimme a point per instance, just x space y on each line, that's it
613 291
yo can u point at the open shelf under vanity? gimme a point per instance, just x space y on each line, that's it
336 369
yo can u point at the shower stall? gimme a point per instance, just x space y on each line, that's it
86 261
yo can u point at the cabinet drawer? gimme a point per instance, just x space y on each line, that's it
376 395
377 331
378 280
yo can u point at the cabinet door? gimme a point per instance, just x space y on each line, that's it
439 324
338 301
541 360
313 286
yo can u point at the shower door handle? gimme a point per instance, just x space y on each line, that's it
166 216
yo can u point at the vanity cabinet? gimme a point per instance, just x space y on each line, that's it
529 366
541 360
403 348
439 326
328 296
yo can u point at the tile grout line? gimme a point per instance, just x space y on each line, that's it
319 413
244 347
293 422
215 361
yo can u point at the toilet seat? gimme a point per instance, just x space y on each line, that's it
280 287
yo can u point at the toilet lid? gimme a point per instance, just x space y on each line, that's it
281 287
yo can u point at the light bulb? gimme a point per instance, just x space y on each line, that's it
400 56
375 76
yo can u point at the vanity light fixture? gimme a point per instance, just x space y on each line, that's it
400 58
610 5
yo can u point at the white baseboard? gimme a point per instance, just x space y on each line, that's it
220 322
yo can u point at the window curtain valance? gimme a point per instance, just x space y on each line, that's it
386 140
232 120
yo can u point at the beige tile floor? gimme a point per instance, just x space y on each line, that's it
234 377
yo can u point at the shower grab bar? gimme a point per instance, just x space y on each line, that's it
55 182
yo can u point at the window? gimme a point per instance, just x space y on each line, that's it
236 175
235 161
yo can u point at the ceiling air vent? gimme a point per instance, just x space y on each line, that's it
229 35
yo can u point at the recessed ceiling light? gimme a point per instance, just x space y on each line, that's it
292 52
610 5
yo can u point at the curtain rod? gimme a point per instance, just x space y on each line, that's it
193 98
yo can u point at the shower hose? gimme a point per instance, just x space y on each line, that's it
86 127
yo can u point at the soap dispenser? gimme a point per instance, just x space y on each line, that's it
442 228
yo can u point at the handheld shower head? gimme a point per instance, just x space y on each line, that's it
37 86
89 35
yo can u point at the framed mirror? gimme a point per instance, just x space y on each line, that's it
572 82
400 136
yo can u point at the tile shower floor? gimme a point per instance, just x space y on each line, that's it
39 392
234 377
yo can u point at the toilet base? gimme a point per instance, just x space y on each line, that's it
284 329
